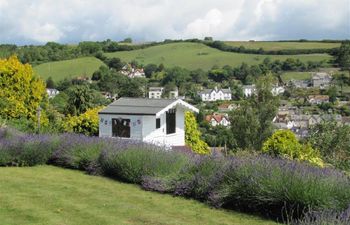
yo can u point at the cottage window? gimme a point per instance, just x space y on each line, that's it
171 121
121 128
157 123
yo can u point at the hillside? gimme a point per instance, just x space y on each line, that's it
195 55
275 46
68 68
49 195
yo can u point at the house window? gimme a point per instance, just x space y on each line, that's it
121 128
157 123
171 121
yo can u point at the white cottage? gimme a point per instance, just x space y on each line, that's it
159 121
209 95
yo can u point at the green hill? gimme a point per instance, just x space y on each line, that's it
68 68
195 55
275 46
287 76
46 195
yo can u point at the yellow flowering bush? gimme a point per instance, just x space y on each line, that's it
20 92
285 144
86 123
193 135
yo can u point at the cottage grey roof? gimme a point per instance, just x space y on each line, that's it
145 106
137 106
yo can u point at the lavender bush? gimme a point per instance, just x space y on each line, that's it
137 160
267 185
273 187
325 217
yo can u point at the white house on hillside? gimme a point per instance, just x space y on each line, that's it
51 92
158 121
208 95
248 90
155 92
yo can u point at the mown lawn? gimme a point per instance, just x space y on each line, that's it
59 70
275 46
295 76
196 55
50 195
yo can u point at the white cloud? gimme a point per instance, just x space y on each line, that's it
39 21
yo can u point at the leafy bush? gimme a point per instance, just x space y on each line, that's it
285 144
193 135
86 123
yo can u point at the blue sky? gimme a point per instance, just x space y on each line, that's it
71 21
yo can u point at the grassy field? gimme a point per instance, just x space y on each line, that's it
68 68
195 55
274 46
296 76
50 195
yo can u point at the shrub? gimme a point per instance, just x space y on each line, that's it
199 177
86 123
77 151
140 160
326 217
27 150
267 185
284 143
193 135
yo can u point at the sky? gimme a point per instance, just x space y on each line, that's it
72 21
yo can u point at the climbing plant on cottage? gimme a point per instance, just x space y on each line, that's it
193 135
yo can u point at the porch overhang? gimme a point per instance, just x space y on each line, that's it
181 103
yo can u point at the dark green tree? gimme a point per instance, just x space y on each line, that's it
115 63
50 83
82 98
149 69
252 122
343 56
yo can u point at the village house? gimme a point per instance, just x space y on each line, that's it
248 90
282 121
131 72
321 80
51 92
174 94
158 121
158 93
217 119
108 95
155 92
318 99
209 95
277 90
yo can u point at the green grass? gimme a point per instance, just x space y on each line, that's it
50 195
296 76
195 55
68 68
275 46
